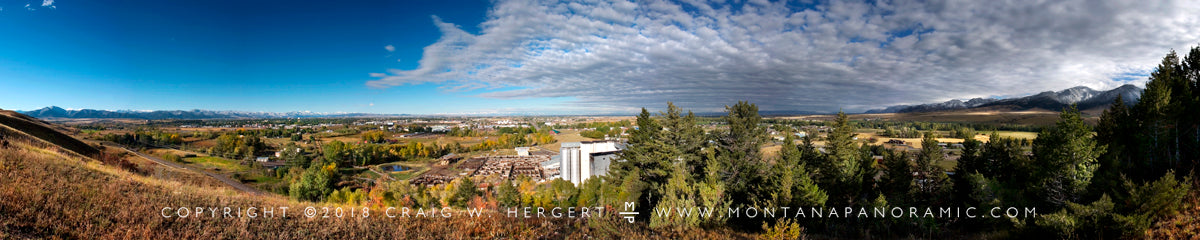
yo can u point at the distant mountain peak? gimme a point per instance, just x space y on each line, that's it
1085 97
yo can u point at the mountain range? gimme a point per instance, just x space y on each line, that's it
1085 98
57 112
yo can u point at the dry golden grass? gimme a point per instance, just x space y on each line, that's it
1185 225
49 195
1017 135
566 136
914 142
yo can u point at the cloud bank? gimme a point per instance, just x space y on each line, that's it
619 56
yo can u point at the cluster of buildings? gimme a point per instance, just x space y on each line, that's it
509 167
575 162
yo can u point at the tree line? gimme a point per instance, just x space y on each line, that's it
1111 180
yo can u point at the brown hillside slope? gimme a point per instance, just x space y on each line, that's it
44 131
49 194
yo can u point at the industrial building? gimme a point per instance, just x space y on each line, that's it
583 160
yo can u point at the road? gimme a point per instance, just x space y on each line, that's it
232 183
372 169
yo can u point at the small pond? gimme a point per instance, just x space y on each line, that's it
396 168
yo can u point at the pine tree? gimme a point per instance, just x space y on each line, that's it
647 161
1115 129
682 133
845 159
897 182
678 195
931 179
507 194
1190 119
712 190
1066 158
968 163
811 158
1153 109
740 154
793 186
783 173
465 191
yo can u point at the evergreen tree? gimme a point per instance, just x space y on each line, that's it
793 187
1116 129
712 190
1154 110
1004 158
740 154
465 191
844 160
897 182
678 195
507 194
968 163
811 158
647 162
931 179
783 173
590 192
1066 156
682 133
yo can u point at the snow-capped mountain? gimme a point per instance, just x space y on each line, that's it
1085 98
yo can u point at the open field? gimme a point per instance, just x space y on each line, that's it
1017 135
565 135
948 165
914 142
215 164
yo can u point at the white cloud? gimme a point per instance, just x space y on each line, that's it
621 55
47 3
390 48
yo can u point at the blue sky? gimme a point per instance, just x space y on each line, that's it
512 56
225 55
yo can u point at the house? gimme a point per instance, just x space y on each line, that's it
262 159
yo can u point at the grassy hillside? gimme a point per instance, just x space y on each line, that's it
49 193
46 194
44 131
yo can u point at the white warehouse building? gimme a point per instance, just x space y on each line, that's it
584 160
